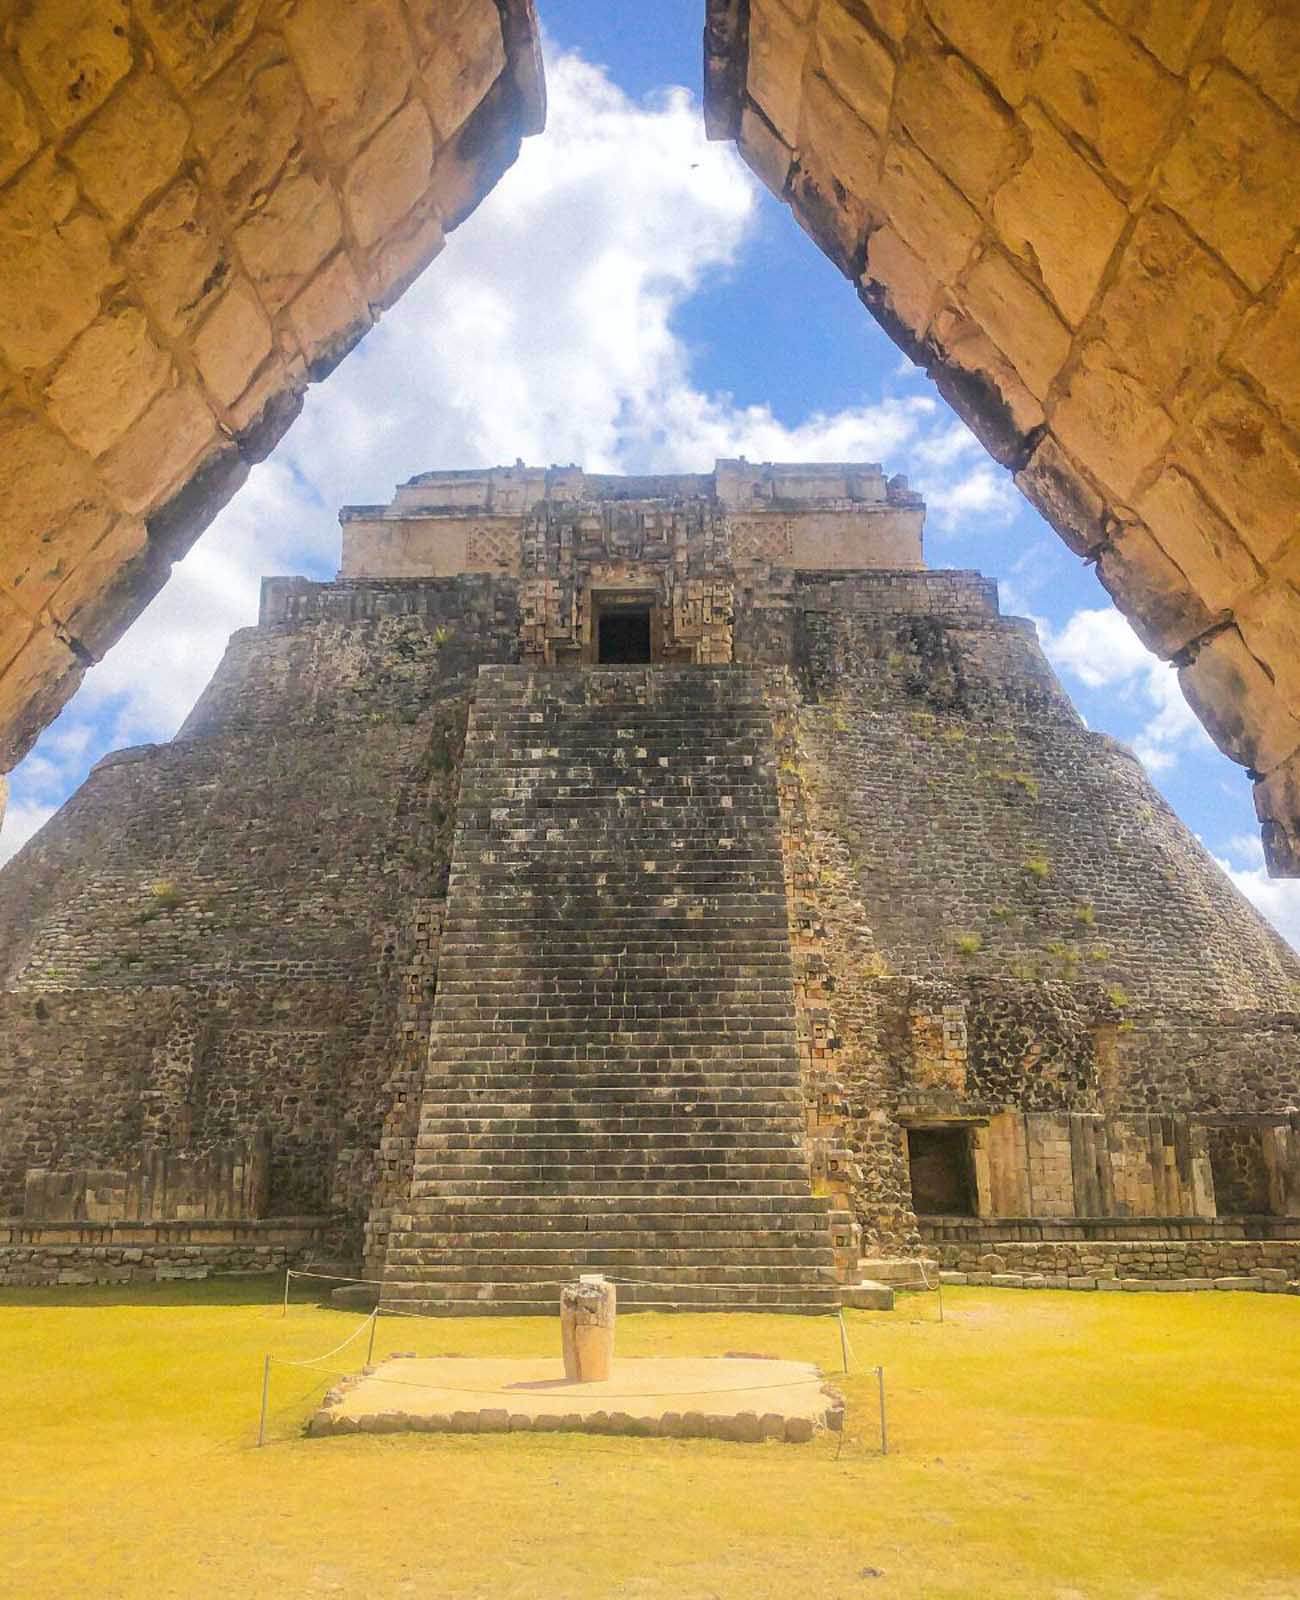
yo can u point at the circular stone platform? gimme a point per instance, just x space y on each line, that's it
747 1398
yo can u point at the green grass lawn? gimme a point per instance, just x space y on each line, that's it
1045 1446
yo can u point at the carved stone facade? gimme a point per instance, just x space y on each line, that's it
558 913
1080 219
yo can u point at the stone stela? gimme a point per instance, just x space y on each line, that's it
667 877
588 1310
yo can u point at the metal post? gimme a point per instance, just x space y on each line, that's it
370 1350
940 1287
884 1433
844 1343
266 1388
287 1275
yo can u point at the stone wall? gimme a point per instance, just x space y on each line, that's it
202 209
132 1252
1080 220
236 934
1267 1266
991 906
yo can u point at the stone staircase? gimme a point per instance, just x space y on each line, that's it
613 1082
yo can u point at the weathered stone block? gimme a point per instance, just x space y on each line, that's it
248 120
1234 175
1024 326
197 37
460 52
286 239
131 148
355 59
111 373
152 459
1110 92
178 256
1105 417
968 133
391 174
856 64
1057 214
232 343
60 254
778 45
1170 308
72 55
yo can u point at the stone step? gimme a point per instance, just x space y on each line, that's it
581 1183
700 1210
681 1267
516 1300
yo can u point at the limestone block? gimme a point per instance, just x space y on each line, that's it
248 120
1108 420
131 147
856 64
391 174
763 151
232 343
59 253
980 383
330 315
107 378
1218 566
402 257
1234 697
19 137
1058 214
286 239
1059 488
1234 174
898 282
1269 620
778 43
86 603
838 155
946 109
1268 348
38 680
1171 32
460 52
1262 39
1022 324
1277 805
1151 590
197 37
1248 466
1170 308
1108 90
52 509
72 54
1003 38
934 219
149 462
178 258
355 59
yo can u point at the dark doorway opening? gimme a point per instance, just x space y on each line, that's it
943 1179
624 635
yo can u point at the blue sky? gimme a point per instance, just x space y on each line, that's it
630 298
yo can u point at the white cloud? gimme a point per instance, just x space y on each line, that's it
1100 649
544 331
1277 898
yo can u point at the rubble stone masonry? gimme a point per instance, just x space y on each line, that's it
1002 995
